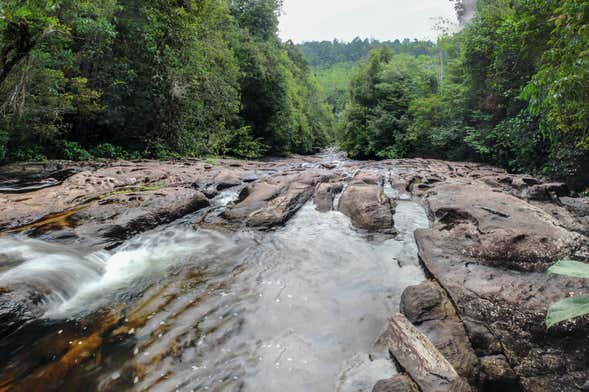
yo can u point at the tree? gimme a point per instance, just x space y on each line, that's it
377 119
155 79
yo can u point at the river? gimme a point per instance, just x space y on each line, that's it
188 309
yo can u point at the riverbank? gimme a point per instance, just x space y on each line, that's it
491 236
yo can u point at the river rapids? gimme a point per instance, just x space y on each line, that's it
189 309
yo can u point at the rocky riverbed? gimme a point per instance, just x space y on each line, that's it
235 275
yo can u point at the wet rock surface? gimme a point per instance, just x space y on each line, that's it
399 383
420 359
427 306
364 201
492 237
274 200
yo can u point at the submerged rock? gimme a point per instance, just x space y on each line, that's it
362 372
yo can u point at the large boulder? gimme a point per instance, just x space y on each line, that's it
364 201
500 229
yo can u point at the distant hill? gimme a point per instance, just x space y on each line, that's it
328 53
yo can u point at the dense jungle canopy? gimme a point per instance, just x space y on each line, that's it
160 79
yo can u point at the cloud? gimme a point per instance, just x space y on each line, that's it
308 20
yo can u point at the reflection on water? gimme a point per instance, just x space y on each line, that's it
176 309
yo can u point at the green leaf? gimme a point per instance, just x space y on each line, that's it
567 309
570 268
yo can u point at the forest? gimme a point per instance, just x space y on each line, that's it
159 79
509 89
125 79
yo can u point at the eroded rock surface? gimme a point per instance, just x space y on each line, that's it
364 201
275 199
493 236
422 361
399 383
492 239
428 307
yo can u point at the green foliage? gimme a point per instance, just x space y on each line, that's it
510 89
239 143
376 121
164 78
325 54
574 306
212 161
73 151
335 81
3 145
567 309
130 190
108 151
570 268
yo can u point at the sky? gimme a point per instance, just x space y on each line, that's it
316 20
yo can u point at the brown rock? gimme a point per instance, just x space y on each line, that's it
428 306
110 220
273 201
399 383
504 231
226 179
547 192
325 194
420 358
497 373
365 203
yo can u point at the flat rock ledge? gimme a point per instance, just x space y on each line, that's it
493 236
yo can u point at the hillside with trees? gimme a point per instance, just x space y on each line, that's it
509 89
126 78
327 53
334 62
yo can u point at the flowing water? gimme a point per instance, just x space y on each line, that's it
296 309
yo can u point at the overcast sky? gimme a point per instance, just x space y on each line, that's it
310 20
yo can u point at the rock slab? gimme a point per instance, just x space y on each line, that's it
416 354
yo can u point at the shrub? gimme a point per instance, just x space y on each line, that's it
74 152
3 145
108 151
29 153
238 143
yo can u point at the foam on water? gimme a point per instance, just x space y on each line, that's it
295 309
